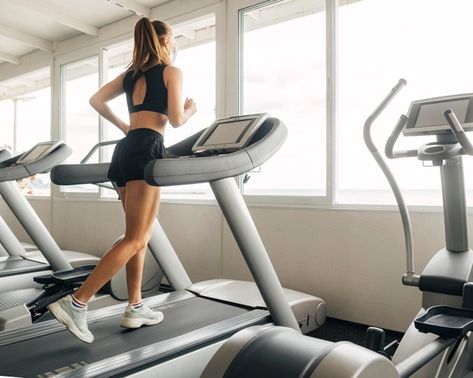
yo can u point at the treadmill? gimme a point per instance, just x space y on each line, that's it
17 270
196 322
11 246
18 267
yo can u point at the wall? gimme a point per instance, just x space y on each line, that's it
354 259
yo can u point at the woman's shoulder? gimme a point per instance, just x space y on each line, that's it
172 70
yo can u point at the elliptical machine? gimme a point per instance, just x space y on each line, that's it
443 280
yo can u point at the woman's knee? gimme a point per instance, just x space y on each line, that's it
136 245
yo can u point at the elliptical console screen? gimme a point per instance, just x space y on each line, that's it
426 116
229 134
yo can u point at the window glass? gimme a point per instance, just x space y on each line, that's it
33 124
80 120
284 74
6 110
26 114
425 42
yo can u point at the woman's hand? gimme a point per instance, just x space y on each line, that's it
190 106
124 127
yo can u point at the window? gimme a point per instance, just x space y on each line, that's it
6 110
283 74
379 42
79 120
195 41
26 112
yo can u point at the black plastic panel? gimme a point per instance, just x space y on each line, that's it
445 321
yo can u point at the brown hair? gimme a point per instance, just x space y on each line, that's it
148 49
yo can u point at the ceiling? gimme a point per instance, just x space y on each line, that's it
29 25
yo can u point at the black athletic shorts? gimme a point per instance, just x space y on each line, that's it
132 153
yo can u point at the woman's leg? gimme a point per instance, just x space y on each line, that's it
134 267
141 206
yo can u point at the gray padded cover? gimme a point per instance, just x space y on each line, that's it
278 352
10 172
76 174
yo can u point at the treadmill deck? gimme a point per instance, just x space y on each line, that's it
59 352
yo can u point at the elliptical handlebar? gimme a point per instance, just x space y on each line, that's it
389 149
410 278
379 109
458 131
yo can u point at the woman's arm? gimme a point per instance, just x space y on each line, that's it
108 92
178 114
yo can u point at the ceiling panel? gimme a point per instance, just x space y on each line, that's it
12 47
153 3
58 20
31 22
96 12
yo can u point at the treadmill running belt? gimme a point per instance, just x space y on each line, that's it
53 353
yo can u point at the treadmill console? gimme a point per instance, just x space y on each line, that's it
229 134
37 152
426 116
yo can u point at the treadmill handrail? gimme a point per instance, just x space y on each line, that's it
96 147
187 170
84 173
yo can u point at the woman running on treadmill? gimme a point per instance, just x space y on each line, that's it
152 86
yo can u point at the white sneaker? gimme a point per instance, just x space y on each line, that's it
73 317
137 317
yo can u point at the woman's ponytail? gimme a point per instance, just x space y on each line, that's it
147 49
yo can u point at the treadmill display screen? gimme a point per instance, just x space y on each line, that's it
228 132
34 154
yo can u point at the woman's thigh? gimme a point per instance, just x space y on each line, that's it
141 207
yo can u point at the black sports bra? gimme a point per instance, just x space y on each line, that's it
156 96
